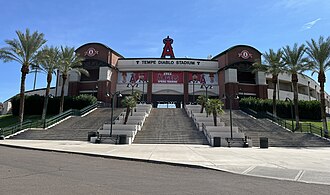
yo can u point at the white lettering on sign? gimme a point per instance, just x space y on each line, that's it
178 62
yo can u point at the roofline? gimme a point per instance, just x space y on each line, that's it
230 48
101 45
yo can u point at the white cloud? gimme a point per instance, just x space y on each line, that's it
293 4
309 25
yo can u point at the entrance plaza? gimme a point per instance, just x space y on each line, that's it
171 129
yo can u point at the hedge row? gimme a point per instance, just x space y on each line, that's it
34 104
310 110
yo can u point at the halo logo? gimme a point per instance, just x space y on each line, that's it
91 52
245 54
167 50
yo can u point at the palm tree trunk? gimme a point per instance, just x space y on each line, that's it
215 118
64 77
321 79
202 108
274 81
25 71
128 110
295 99
44 110
35 79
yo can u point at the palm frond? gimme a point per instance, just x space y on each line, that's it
70 61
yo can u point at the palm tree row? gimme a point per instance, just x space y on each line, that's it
27 50
295 61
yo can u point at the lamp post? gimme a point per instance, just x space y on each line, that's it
288 99
132 85
230 98
241 92
95 92
112 95
194 80
143 81
204 85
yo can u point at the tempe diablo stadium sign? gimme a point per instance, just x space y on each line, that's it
177 62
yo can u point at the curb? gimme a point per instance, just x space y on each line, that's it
114 157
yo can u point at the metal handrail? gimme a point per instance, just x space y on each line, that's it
40 123
304 127
88 108
15 128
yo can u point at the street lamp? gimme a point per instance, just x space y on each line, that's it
204 85
143 81
118 94
95 92
288 99
230 98
194 77
133 85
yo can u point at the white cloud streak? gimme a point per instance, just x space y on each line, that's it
310 24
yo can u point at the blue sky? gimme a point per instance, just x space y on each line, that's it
136 28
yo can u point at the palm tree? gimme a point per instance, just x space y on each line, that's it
214 106
273 65
129 102
69 61
136 95
319 53
48 61
24 51
202 100
295 63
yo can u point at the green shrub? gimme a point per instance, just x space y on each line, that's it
310 110
34 104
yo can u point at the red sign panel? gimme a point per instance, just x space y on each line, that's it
167 77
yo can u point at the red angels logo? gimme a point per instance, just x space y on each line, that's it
91 52
245 54
167 50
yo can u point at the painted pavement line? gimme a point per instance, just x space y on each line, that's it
299 175
248 170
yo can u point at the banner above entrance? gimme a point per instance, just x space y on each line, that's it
167 77
178 64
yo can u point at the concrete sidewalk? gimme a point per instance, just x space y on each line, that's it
310 165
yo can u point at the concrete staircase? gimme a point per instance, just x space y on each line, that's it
75 128
169 126
277 135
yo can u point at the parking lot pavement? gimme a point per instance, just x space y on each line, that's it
296 164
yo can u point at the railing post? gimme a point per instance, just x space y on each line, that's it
321 132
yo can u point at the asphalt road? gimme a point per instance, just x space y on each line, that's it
39 172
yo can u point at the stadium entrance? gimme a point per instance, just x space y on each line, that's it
167 101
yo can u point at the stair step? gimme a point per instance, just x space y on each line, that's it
169 126
277 135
